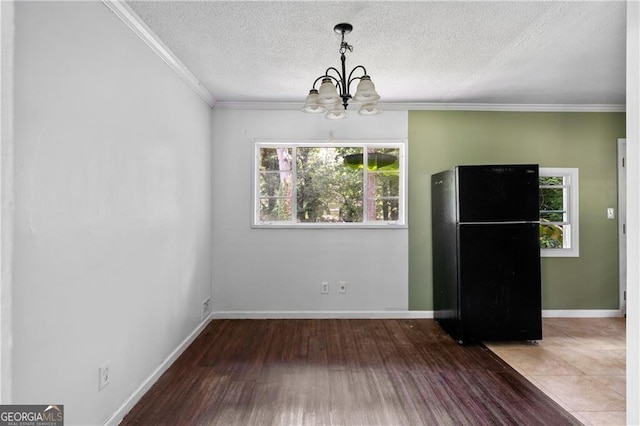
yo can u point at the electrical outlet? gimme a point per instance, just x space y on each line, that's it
206 309
104 375
342 287
324 287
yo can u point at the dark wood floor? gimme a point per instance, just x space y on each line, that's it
340 372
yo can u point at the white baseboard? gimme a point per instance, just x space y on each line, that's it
546 313
321 314
146 385
581 313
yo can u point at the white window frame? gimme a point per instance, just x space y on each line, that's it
402 202
571 199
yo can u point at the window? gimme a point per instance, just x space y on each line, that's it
325 184
559 212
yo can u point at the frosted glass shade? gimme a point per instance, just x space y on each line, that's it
336 112
366 91
311 105
327 95
369 109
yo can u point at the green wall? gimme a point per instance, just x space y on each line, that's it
439 140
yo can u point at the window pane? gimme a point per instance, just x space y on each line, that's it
553 216
551 180
383 159
275 184
328 190
351 211
348 185
551 236
275 209
387 184
383 183
275 159
385 209
552 202
552 209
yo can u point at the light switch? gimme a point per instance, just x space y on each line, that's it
611 213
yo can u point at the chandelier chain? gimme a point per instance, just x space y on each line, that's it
344 46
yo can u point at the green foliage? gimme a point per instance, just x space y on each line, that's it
550 236
551 210
329 184
326 190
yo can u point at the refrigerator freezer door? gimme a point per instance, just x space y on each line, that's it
502 193
499 273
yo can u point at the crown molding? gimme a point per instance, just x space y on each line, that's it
259 105
511 107
506 107
430 106
133 21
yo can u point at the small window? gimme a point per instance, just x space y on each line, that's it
326 184
559 212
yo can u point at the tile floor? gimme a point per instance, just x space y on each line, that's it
580 363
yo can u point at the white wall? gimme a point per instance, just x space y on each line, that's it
112 216
277 272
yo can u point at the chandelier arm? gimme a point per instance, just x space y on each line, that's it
340 76
320 78
364 70
341 83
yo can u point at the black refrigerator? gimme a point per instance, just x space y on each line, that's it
486 252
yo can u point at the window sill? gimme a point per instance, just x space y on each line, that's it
559 253
329 226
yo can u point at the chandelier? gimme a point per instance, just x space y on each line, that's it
333 95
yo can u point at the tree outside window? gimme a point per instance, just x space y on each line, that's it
559 212
312 184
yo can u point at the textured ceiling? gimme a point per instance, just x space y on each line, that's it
523 52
